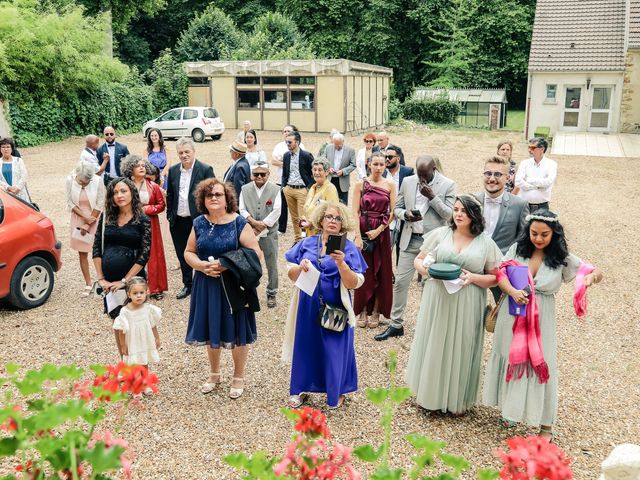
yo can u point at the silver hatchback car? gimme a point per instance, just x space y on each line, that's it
195 122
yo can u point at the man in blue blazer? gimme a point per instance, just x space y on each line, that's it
114 152
239 173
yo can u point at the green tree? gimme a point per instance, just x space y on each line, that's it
456 52
168 81
274 37
212 35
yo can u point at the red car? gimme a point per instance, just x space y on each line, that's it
29 253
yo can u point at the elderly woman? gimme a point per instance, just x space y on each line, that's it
122 244
153 203
13 175
364 154
85 200
321 191
323 360
219 316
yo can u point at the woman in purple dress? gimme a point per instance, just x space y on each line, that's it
322 360
156 154
377 196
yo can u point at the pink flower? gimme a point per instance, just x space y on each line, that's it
281 467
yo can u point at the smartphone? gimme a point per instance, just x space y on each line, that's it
336 242
416 213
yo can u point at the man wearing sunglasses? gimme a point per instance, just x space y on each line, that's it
276 160
112 153
296 180
536 176
260 204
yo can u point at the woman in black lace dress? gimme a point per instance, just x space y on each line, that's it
123 239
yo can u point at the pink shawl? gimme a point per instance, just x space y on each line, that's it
580 293
526 345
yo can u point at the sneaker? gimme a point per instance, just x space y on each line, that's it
271 301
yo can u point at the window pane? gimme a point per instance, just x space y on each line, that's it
570 119
303 99
572 99
483 109
171 115
210 113
551 92
274 80
248 80
275 99
189 114
198 81
601 98
600 120
248 98
302 80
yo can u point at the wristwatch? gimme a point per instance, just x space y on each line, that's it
124 280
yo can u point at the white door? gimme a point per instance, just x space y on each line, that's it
571 111
170 123
600 113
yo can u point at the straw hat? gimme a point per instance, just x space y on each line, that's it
238 147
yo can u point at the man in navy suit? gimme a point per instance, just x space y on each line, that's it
181 204
113 152
239 173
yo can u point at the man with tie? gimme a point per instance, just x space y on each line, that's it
181 205
425 202
111 153
342 159
239 173
504 214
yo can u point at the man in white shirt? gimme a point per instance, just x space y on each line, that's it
342 159
536 176
246 126
276 160
260 204
89 153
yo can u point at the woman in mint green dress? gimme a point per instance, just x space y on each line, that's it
528 398
446 354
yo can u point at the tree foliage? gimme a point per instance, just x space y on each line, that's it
122 11
169 82
212 35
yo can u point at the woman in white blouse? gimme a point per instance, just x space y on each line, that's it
85 200
13 174
253 153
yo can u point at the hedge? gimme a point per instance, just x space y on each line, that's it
431 111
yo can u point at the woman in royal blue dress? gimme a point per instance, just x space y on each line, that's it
322 360
213 320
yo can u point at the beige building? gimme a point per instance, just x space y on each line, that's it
314 95
584 67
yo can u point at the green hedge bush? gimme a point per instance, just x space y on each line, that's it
431 111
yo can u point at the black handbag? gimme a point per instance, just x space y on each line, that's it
329 316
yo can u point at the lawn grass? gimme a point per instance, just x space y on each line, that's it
515 121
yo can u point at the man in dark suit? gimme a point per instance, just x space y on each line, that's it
342 161
296 179
181 205
398 173
112 152
239 173
504 214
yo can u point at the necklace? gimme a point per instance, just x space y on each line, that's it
212 225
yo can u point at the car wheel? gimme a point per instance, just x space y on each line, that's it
146 133
197 135
216 137
31 283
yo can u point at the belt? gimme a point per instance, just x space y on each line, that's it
297 186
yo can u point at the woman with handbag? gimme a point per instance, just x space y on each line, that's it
522 372
319 330
377 196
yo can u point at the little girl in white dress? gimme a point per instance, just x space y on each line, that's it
137 326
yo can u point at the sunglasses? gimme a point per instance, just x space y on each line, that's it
214 194
369 141
260 174
331 218
109 134
389 157
489 174
289 142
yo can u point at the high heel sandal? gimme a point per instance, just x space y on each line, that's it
362 320
374 320
546 432
236 392
212 384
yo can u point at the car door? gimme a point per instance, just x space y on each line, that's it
170 123
190 120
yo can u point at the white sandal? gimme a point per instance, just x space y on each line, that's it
210 386
86 291
236 392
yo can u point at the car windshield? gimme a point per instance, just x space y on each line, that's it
210 113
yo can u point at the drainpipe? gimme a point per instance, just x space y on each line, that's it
528 108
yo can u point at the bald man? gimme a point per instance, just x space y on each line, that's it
382 143
111 153
89 153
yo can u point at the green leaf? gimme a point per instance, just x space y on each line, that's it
12 368
420 442
236 460
103 459
36 405
487 474
367 453
385 473
8 477
8 446
392 362
377 396
399 394
290 414
454 461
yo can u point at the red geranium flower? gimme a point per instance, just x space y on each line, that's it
534 458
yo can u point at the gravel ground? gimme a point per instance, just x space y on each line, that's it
183 434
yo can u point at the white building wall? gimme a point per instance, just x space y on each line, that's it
544 112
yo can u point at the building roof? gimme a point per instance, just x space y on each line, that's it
634 24
486 95
324 67
579 35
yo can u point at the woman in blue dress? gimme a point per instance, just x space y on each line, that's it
322 360
212 321
157 154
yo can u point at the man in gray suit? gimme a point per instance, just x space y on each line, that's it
504 214
425 201
342 161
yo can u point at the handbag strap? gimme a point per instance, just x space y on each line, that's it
319 265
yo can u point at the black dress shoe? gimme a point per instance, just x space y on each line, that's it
390 332
184 293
